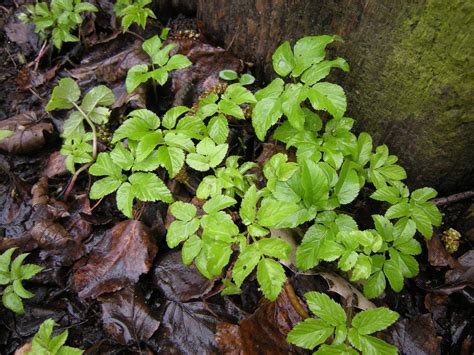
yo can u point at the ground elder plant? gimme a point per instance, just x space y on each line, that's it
44 343
133 12
348 335
12 274
57 20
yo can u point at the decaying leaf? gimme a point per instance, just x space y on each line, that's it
177 281
126 316
28 136
264 332
56 165
125 252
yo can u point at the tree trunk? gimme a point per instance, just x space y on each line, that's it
411 81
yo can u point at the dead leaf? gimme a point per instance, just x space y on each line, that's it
56 165
125 252
28 133
437 253
40 192
264 332
126 316
416 336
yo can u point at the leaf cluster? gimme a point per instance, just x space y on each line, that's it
133 11
57 20
12 273
44 343
93 110
332 321
161 64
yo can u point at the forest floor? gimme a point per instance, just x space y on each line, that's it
170 308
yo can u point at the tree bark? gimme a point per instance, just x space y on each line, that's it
411 81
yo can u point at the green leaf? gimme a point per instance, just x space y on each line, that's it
149 187
125 199
328 97
122 156
272 212
198 162
218 203
307 253
228 74
136 75
57 342
389 194
64 95
321 70
340 349
270 276
218 129
140 123
326 308
310 50
104 187
183 211
423 223
310 333
191 248
230 288
152 45
257 231
12 301
245 264
85 6
230 108
178 61
375 285
170 117
397 211
4 133
5 260
150 163
219 226
99 96
20 290
394 275
424 194
247 79
314 183
179 140
271 91
248 207
370 345
179 231
347 188
104 166
264 115
274 247
283 60
29 270
373 320
172 159
237 94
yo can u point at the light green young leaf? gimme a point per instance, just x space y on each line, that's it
273 212
270 276
321 70
178 61
218 129
245 264
99 96
64 95
140 123
310 50
394 275
228 74
122 157
375 285
104 187
247 79
230 108
248 207
237 94
172 159
191 248
4 133
274 247
218 203
373 320
136 75
314 183
12 301
170 117
183 211
104 166
179 231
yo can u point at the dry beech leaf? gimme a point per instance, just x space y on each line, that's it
125 252
264 332
28 133
56 165
126 316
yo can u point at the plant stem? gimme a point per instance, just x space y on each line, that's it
94 132
155 91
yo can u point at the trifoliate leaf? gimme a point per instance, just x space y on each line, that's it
170 117
149 187
140 123
274 247
64 95
310 333
136 75
325 308
270 276
218 129
179 231
375 285
104 166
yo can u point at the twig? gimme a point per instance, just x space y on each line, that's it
233 38
441 201
290 292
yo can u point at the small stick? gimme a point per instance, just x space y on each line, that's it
441 201
290 291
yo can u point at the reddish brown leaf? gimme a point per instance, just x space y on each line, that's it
437 254
127 317
125 252
264 332
40 192
56 165
28 136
